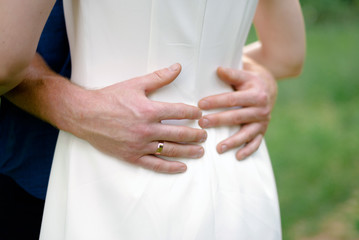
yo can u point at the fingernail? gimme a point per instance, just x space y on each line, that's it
200 153
182 169
205 122
239 157
204 137
203 104
174 67
224 148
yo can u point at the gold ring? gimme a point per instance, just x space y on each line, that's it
159 147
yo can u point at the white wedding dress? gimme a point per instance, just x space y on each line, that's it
94 196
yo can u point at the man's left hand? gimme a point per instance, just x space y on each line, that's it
255 94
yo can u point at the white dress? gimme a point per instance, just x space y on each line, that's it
94 196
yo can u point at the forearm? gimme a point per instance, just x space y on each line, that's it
278 66
281 45
47 95
21 23
118 120
9 83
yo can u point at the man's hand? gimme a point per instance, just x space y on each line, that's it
121 121
255 94
118 120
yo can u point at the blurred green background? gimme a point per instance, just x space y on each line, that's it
313 138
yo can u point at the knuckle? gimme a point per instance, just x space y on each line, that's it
135 161
233 73
171 151
147 111
135 148
191 112
264 126
158 75
255 147
182 134
255 76
157 167
263 98
266 123
246 136
237 119
182 111
178 110
265 113
251 76
251 73
268 116
144 132
231 100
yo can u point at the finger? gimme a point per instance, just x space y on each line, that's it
247 133
171 149
233 117
231 99
160 165
234 76
159 78
176 111
249 148
179 134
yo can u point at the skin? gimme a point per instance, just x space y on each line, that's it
19 20
119 120
280 28
255 92
278 54
107 117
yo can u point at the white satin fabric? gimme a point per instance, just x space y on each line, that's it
94 196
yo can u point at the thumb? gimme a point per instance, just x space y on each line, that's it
234 77
160 78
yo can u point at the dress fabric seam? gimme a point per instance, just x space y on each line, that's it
150 39
198 56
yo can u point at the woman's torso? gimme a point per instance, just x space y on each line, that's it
113 41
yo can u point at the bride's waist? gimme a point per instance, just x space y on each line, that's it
181 90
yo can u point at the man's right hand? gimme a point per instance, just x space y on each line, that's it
119 120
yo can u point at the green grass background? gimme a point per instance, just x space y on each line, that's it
313 138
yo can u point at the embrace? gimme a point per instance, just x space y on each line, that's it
161 114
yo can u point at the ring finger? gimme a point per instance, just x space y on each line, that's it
170 149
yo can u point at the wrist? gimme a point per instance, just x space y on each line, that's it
249 64
72 108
